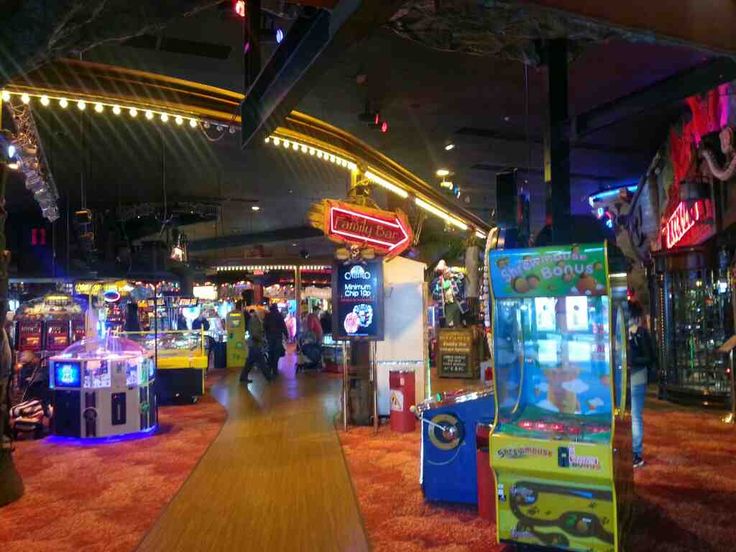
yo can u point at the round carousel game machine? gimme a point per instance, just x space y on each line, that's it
103 387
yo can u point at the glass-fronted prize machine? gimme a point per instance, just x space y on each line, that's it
181 362
561 444
103 387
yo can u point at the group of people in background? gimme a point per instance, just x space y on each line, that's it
267 333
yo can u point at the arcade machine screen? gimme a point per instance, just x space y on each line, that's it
57 335
29 335
556 385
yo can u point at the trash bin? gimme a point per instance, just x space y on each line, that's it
402 399
486 481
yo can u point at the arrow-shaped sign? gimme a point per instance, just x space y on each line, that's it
387 231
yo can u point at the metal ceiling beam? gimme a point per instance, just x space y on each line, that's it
665 92
238 240
708 25
311 46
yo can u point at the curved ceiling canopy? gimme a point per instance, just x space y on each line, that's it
189 103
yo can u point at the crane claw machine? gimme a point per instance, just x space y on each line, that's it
561 444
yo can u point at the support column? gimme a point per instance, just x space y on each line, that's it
298 297
557 143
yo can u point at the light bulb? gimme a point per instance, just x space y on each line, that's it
63 103
99 108
312 151
179 120
449 147
133 112
25 98
255 208
304 148
81 105
319 154
276 141
295 146
286 143
149 115
193 123
6 96
116 109
45 100
442 172
164 118
267 140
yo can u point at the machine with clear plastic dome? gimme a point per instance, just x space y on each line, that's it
103 387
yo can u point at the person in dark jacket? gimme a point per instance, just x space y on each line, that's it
275 330
642 357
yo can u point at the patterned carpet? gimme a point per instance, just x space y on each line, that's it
105 497
685 494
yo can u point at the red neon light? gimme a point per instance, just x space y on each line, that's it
389 233
683 220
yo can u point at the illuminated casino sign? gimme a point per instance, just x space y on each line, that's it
388 232
691 223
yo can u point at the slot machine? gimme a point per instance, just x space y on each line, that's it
57 335
30 334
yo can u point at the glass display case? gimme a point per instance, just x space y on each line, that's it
694 317
181 361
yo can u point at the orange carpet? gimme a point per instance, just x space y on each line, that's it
686 494
104 497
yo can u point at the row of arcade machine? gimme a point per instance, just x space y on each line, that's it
560 443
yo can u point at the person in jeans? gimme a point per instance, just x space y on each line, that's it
641 357
275 329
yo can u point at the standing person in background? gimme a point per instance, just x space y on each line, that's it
313 324
255 347
275 329
325 320
642 358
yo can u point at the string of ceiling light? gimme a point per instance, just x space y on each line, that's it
179 119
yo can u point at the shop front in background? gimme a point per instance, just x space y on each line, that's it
693 292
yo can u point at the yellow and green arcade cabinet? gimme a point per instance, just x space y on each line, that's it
236 351
561 445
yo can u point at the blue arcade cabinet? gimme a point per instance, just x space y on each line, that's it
448 453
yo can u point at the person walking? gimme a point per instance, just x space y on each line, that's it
255 349
642 358
275 329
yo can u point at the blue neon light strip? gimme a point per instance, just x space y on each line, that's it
81 441
600 196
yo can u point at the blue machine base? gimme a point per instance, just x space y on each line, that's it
449 469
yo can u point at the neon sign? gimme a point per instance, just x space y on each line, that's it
689 224
387 231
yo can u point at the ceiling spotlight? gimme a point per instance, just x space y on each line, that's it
149 114
255 208
63 103
25 98
116 109
164 118
5 96
179 120
279 36
133 112
81 105
239 7
45 100
442 172
449 147
193 123
99 108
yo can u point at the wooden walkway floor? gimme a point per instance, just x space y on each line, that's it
274 479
